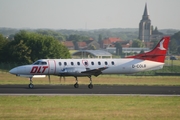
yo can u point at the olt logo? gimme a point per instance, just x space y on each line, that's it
38 69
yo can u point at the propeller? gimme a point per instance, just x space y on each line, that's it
49 79
63 78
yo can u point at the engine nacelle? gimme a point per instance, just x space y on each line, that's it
73 71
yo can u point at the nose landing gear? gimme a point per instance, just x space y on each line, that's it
31 86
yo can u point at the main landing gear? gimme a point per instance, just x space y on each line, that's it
31 86
90 86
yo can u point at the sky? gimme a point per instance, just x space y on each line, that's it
87 14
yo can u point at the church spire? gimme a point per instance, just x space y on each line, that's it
145 10
145 15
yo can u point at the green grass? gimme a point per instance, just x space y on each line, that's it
89 107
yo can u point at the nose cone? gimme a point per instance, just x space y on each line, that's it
13 71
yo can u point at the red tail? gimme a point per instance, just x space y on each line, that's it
158 54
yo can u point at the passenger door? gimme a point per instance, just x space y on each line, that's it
52 66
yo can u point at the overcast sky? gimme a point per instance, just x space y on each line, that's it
88 14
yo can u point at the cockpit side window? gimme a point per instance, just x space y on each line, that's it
40 63
36 63
43 63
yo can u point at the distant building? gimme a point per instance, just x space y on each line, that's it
92 54
82 45
110 41
68 44
112 50
145 27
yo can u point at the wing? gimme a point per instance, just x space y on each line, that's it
95 72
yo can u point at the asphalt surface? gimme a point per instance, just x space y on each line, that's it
83 89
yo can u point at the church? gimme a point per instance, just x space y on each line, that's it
146 32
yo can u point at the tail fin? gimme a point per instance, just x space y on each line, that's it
158 54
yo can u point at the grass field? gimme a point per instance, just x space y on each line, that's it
89 107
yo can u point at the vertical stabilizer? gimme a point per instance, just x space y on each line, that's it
158 54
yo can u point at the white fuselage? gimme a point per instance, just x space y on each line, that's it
74 67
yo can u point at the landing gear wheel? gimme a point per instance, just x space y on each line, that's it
31 86
90 86
76 85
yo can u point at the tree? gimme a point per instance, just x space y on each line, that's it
178 50
28 47
52 33
174 43
155 42
3 43
77 38
137 43
173 46
19 52
142 51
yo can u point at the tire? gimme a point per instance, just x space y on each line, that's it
31 86
90 86
76 85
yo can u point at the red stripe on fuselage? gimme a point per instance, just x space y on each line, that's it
54 66
48 66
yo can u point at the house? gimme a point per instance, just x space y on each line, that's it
81 45
69 45
93 45
110 41
126 44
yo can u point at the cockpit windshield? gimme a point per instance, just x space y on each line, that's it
40 63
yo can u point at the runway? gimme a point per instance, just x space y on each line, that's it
83 89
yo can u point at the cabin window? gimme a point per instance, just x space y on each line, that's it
65 63
60 64
78 63
106 63
85 63
99 63
112 62
72 63
92 63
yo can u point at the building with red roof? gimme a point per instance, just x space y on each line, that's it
69 45
110 41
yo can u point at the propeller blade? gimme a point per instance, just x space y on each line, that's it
49 79
63 78
60 78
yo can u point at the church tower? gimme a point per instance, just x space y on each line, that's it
145 27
